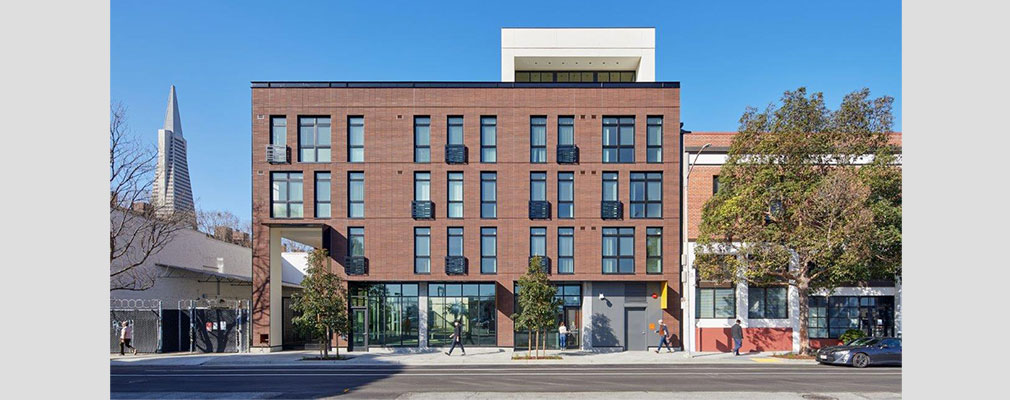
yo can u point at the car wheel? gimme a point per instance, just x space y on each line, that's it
860 360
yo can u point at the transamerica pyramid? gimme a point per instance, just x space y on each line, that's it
171 192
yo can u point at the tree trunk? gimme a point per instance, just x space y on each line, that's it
529 344
326 344
538 344
803 292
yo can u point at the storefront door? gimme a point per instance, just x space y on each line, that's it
359 329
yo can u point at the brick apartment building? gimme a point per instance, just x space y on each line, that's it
432 196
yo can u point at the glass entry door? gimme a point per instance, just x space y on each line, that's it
573 321
359 329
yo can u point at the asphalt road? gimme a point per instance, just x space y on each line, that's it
392 381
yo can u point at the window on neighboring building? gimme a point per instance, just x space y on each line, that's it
279 131
618 139
356 195
455 194
566 250
355 139
488 250
654 140
455 242
538 242
716 303
488 195
322 194
646 195
767 302
538 186
618 250
488 139
610 186
566 131
314 139
422 139
286 197
422 186
830 317
715 184
454 130
422 250
538 139
653 250
566 195
356 241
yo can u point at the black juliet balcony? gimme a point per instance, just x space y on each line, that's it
611 210
455 154
356 265
422 209
455 265
540 209
568 154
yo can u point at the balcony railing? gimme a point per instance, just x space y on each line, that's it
277 154
545 263
455 265
421 209
455 154
540 209
611 210
356 265
568 154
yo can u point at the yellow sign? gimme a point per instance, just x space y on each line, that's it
662 301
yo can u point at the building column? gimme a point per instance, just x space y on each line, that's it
422 318
897 307
587 316
794 315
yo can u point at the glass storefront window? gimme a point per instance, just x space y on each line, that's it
830 317
472 304
570 311
392 314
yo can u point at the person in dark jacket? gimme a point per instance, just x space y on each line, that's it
457 338
737 333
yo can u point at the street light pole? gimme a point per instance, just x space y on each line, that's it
686 263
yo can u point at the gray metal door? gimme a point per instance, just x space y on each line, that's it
635 329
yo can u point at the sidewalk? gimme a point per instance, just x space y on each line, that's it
476 356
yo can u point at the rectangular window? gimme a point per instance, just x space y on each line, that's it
488 139
566 250
538 139
322 194
356 242
610 186
618 250
472 304
654 140
538 242
566 131
538 186
356 195
455 243
286 197
454 130
767 302
488 195
653 250
618 139
715 184
488 250
422 250
455 194
355 139
566 195
278 131
422 139
830 317
314 139
422 186
646 195
716 303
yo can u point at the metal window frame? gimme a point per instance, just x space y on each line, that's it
538 236
572 257
449 125
288 202
532 147
448 239
617 183
619 146
483 145
572 202
350 202
646 202
350 239
315 138
560 124
417 256
416 181
715 184
418 147
536 181
315 198
617 255
349 145
657 256
448 190
649 145
273 125
698 303
494 175
494 234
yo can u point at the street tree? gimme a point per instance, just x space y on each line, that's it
321 305
809 197
138 230
537 304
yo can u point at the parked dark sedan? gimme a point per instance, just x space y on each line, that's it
860 353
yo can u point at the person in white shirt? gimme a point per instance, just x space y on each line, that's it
125 337
562 336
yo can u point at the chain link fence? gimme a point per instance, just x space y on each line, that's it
144 316
206 325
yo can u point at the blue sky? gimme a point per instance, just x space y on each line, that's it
727 56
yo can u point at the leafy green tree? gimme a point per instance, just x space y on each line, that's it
322 303
809 196
537 304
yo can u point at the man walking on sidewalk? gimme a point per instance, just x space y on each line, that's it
125 337
737 333
664 335
457 338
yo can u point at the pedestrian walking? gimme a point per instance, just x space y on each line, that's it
664 335
457 338
125 337
737 333
562 336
